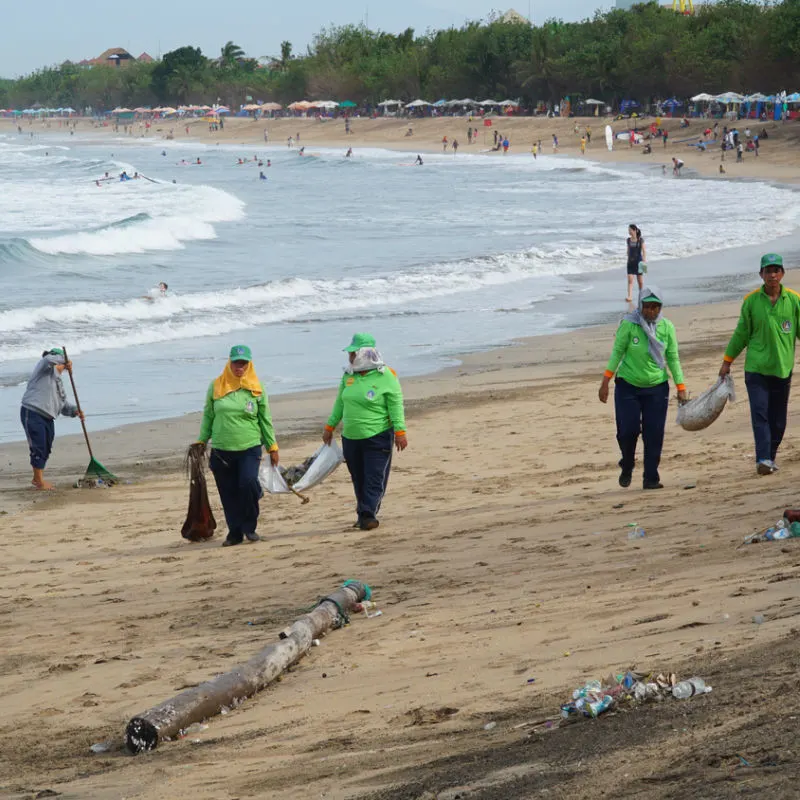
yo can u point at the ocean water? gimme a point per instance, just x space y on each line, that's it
463 253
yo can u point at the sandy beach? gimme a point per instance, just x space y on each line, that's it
503 557
778 160
502 567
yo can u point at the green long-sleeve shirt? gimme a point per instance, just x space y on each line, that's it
631 358
769 332
368 405
238 421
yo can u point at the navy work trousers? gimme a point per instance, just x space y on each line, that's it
236 475
769 401
40 432
641 411
369 461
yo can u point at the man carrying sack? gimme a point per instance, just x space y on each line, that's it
769 324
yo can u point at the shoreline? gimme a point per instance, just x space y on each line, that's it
502 556
779 158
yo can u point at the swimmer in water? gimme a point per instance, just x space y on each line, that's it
269 163
163 152
301 151
260 163
262 175
349 152
198 161
419 160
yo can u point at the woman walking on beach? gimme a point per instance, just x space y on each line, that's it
645 346
44 399
370 406
237 420
637 254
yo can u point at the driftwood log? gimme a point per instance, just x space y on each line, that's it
226 691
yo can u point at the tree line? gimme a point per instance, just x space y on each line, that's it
643 53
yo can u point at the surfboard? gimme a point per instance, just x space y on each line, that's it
609 138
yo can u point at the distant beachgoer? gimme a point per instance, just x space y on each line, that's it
665 137
506 145
163 152
455 146
645 347
419 160
290 142
269 163
739 152
555 143
637 254
677 165
495 138
722 170
266 135
302 151
469 135
349 153
44 400
583 145
444 144
198 161
297 138
262 176
588 135
535 150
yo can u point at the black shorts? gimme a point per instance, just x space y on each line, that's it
633 269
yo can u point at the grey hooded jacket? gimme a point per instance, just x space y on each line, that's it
45 393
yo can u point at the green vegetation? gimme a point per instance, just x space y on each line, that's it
644 53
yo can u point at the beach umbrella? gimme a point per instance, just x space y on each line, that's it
350 104
221 110
793 98
509 103
324 104
488 103
385 103
300 105
271 106
591 102
756 98
702 98
672 103
419 104
729 98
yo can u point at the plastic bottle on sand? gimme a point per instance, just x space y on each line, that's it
690 688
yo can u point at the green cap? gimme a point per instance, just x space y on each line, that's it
651 298
771 260
56 351
241 352
360 340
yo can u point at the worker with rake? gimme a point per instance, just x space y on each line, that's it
45 398
237 420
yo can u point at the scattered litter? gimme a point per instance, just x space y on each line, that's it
758 619
195 727
636 531
314 470
598 696
531 680
690 486
490 726
101 747
315 642
699 413
782 529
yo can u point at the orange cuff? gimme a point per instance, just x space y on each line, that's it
329 428
274 448
727 359
608 374
680 387
399 433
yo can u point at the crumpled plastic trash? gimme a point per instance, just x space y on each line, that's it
700 412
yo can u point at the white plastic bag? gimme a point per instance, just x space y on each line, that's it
699 413
326 460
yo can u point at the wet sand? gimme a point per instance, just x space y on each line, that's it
503 555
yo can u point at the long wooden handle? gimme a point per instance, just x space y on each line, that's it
78 404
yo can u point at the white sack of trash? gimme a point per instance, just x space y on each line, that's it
314 470
699 413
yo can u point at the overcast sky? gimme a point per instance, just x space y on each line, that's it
51 31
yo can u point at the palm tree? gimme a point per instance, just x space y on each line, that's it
231 55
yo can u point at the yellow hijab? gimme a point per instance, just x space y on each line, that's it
228 382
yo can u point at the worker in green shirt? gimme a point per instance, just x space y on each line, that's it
644 347
769 324
237 420
370 406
